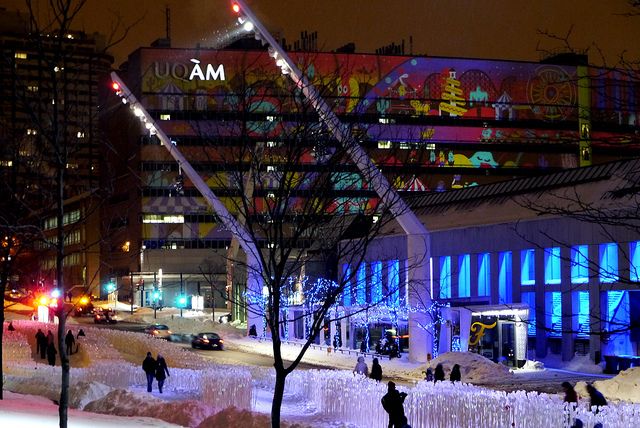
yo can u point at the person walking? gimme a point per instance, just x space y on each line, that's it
428 375
376 370
361 367
51 354
455 375
438 375
149 366
41 343
393 404
570 394
69 340
596 398
50 338
161 372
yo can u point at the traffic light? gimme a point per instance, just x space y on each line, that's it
182 301
235 7
156 296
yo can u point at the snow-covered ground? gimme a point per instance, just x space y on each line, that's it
313 398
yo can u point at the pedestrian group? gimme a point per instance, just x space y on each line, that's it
155 369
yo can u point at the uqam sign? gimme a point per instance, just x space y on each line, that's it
194 71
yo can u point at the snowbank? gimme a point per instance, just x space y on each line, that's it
624 387
474 367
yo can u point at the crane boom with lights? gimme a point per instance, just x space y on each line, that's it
418 251
254 267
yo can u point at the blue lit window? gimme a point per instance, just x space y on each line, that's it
361 285
634 268
445 277
579 264
529 298
464 276
346 294
505 288
484 274
554 321
608 262
393 272
528 267
583 313
376 282
618 321
552 265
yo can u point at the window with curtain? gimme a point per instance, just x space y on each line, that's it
445 277
464 276
505 287
528 267
579 264
484 274
552 265
608 262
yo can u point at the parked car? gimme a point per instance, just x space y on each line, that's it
104 316
158 330
207 341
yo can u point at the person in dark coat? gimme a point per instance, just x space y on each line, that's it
41 343
50 338
570 394
597 399
51 354
438 375
69 340
455 375
393 404
376 370
149 366
428 375
11 327
161 372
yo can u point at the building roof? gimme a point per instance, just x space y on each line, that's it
629 170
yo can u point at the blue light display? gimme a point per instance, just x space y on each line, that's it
484 274
528 267
445 277
346 294
376 282
583 313
617 323
505 288
552 265
554 300
361 285
608 262
529 298
634 268
464 276
579 264
394 283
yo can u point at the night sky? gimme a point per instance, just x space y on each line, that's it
501 29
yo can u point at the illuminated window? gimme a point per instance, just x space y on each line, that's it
554 318
529 298
386 121
404 145
32 88
376 282
579 264
583 314
20 55
346 294
272 144
484 274
552 265
528 267
505 287
384 144
80 134
464 276
608 262
6 163
361 285
125 247
165 116
634 255
31 131
162 218
394 283
445 277
271 168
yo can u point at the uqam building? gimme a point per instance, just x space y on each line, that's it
457 138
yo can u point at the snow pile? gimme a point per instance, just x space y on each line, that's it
48 385
474 367
624 387
125 403
579 363
15 347
232 417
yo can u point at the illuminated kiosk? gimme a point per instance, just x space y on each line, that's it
254 269
418 251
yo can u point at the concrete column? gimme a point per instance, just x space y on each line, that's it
541 332
595 307
419 285
344 324
494 289
473 275
465 329
516 276
624 263
568 330
455 274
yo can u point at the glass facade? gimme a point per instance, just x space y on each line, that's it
464 276
505 286
608 262
484 274
445 277
528 267
579 264
552 265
